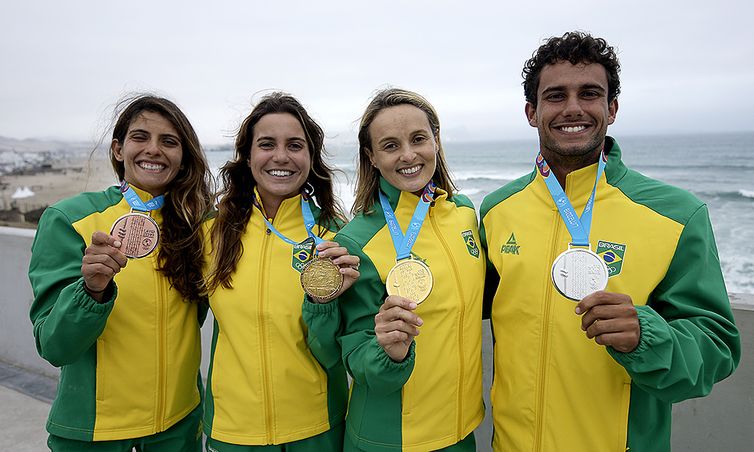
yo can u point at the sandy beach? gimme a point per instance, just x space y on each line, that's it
51 182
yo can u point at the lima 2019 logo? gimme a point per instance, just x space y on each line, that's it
544 168
427 194
613 254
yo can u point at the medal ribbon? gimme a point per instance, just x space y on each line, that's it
133 199
577 227
403 244
309 222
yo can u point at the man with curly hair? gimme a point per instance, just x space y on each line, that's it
604 286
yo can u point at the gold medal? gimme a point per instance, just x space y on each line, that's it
411 279
321 279
138 234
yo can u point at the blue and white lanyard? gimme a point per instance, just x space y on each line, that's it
133 199
403 244
309 222
577 227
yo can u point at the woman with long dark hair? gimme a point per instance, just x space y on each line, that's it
126 337
272 387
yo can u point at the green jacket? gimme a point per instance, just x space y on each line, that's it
555 389
129 366
433 399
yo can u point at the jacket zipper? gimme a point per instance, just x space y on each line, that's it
462 311
266 385
545 347
161 351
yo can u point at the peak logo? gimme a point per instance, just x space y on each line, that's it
511 246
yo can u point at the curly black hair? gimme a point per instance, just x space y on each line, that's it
575 47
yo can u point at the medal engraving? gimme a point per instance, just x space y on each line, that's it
137 233
578 272
410 279
321 279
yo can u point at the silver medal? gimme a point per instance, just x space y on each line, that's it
578 272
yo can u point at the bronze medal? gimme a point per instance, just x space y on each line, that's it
410 279
138 234
321 279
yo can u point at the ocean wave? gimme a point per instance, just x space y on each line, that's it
740 194
706 166
511 173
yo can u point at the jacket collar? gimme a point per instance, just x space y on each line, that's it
394 195
292 204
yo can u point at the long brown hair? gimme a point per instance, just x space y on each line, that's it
187 198
237 192
367 176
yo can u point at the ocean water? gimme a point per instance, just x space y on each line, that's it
714 167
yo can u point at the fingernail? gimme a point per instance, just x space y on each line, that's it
412 305
116 244
419 321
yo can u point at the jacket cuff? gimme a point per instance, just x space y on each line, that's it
313 307
387 362
84 300
652 332
385 376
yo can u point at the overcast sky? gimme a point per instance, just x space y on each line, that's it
688 66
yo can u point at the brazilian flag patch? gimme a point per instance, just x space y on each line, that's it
468 238
302 252
613 254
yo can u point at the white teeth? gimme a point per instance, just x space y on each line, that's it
151 166
280 173
412 170
573 129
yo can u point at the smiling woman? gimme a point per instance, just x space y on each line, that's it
410 391
277 202
128 335
151 153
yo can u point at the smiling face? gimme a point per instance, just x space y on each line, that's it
280 158
572 111
403 147
151 153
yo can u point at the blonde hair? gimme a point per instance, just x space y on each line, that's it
367 176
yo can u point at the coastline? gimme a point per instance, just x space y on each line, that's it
51 180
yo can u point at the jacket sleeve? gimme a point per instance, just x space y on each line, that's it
363 357
688 337
67 320
323 327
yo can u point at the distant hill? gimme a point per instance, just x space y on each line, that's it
41 145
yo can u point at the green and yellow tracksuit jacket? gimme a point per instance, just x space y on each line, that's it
265 386
556 390
433 399
130 365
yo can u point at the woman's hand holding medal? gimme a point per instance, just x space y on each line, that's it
348 265
102 260
396 326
